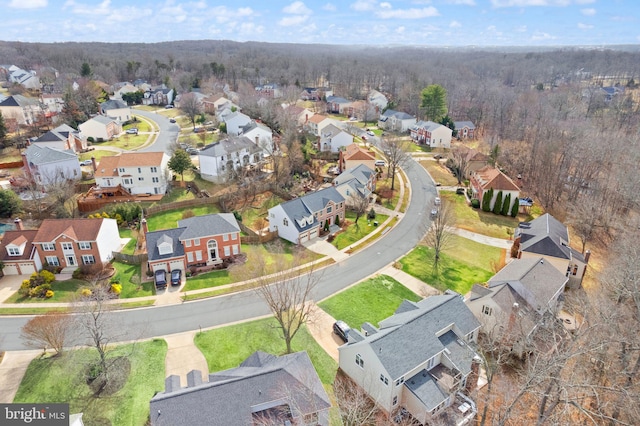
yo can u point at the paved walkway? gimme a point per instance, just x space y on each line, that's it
320 327
183 356
483 239
12 369
412 283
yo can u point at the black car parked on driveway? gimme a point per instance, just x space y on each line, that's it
342 330
161 279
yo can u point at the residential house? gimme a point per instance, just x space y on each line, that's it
63 137
418 359
490 178
298 114
117 110
270 90
475 159
517 300
315 93
378 99
17 253
160 95
546 236
465 129
301 219
223 160
264 389
316 123
100 128
396 121
219 106
52 103
360 180
431 134
354 155
200 97
137 172
124 88
333 139
20 110
235 121
197 241
260 134
337 105
26 79
47 166
71 243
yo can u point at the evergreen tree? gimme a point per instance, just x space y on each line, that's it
505 205
85 71
3 130
180 162
486 200
497 206
434 102
515 208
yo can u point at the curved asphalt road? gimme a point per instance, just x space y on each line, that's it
168 132
163 320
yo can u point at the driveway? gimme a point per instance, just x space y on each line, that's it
183 356
9 284
12 369
320 327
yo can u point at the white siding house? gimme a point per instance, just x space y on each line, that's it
137 172
223 160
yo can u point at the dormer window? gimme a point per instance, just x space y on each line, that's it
13 251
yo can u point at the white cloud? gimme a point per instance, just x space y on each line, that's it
27 4
297 8
521 29
455 24
330 7
588 12
400 30
462 2
249 28
83 9
289 21
539 36
584 26
525 3
363 5
425 12
385 5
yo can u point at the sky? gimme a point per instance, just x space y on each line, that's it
346 22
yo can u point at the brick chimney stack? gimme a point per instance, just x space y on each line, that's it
143 226
94 164
18 223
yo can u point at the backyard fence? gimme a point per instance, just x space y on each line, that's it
132 259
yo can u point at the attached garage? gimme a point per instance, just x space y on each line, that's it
10 269
19 268
304 237
27 268
176 264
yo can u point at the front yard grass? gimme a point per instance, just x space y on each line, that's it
141 124
170 218
131 281
355 233
370 301
227 347
98 154
463 264
63 292
128 142
207 280
475 220
439 172
63 380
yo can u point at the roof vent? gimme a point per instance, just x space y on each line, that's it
542 261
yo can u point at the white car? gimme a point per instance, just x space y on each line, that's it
380 163
86 162
370 133
132 131
437 201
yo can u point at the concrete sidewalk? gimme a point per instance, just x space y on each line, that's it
12 369
483 239
412 283
183 356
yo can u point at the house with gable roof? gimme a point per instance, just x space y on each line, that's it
20 110
46 165
27 79
235 121
489 178
100 128
431 134
517 299
547 237
396 121
354 155
260 134
17 252
71 243
223 160
63 137
378 99
418 359
333 139
337 105
316 123
263 390
123 88
465 129
359 180
301 219
136 172
52 102
117 110
160 95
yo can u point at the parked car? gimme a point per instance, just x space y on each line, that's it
172 120
370 133
342 330
168 106
86 162
437 201
176 277
161 278
191 150
380 163
460 191
198 130
434 212
132 131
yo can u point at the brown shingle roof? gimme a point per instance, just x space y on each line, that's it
16 237
317 118
494 178
108 165
354 152
78 229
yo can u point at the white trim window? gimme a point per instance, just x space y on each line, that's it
88 259
227 251
84 245
359 360
66 246
187 243
235 249
225 237
13 251
199 256
52 260
48 246
189 256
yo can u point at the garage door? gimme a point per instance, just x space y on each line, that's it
304 238
158 266
10 270
27 268
176 264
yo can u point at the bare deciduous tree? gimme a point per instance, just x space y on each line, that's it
359 204
439 235
356 408
191 106
396 151
48 331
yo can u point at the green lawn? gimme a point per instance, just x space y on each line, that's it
128 142
227 347
177 194
253 216
208 279
131 245
97 153
353 233
414 147
132 285
454 273
439 172
170 218
63 291
142 125
475 220
370 301
61 380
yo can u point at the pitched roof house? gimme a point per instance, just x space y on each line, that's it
47 165
397 121
100 127
17 252
354 155
264 389
137 172
300 220
63 137
378 99
337 105
235 122
418 359
431 134
260 134
360 180
465 129
116 109
333 139
487 178
21 109
546 236
516 299
223 160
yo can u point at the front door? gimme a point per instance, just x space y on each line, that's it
71 260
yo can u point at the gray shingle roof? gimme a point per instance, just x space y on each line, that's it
207 225
296 210
461 124
544 235
414 331
362 173
37 155
425 388
316 201
229 145
18 100
60 133
230 396
157 236
113 104
400 115
102 119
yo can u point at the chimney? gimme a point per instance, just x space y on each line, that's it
194 378
474 375
587 255
94 164
18 223
257 140
172 383
143 226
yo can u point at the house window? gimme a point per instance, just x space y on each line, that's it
227 251
67 246
575 270
359 361
285 222
199 256
470 337
52 260
121 169
190 257
13 251
88 259
395 400
140 178
311 419
212 246
128 181
486 310
329 209
187 243
400 381
431 362
139 169
84 245
155 179
225 237
384 379
48 246
234 236
196 241
154 170
235 249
